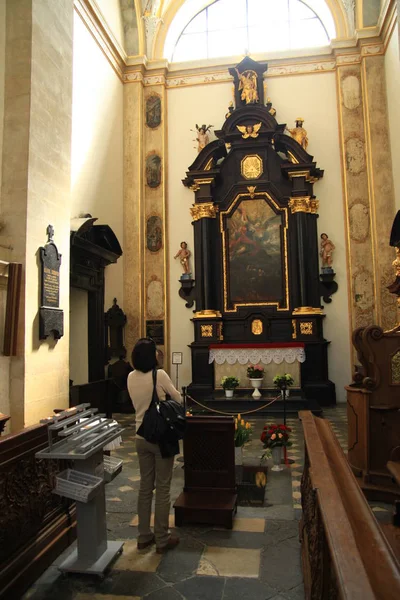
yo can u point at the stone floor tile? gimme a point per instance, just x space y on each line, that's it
90 596
135 478
183 561
125 488
247 589
166 593
275 563
297 473
131 559
129 582
230 562
246 524
201 588
296 495
296 483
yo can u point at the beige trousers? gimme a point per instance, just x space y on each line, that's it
155 472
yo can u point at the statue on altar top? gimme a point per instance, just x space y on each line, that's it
248 86
202 136
299 134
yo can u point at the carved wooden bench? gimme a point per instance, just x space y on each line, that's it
344 552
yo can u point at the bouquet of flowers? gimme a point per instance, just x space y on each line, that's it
275 435
255 372
230 382
283 381
243 431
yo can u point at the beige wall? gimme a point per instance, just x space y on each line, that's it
317 105
97 145
392 68
111 11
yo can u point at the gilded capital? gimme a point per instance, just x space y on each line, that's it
303 204
207 210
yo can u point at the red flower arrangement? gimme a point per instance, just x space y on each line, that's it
275 435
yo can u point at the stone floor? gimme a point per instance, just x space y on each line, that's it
258 560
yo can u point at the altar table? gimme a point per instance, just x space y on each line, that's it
276 358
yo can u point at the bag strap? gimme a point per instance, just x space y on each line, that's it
155 397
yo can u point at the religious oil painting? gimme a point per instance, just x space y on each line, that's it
153 170
154 233
153 111
255 254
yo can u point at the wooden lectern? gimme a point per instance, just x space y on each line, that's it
209 496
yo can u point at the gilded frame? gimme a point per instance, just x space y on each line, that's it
224 214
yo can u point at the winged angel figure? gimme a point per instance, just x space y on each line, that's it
249 130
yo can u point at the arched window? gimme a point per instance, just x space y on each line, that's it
232 27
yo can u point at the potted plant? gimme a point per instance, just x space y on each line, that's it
283 382
229 384
274 438
243 431
255 373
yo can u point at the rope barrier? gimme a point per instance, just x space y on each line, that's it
220 412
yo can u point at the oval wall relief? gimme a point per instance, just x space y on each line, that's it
359 222
355 159
351 92
155 300
363 290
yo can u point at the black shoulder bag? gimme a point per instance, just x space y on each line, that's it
164 422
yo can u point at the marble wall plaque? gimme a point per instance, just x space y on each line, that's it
155 330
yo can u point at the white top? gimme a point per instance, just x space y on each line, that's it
140 388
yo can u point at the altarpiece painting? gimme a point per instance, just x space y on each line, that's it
254 254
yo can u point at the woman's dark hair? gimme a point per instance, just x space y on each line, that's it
323 234
144 356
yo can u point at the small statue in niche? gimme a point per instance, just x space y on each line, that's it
184 254
202 136
327 248
248 86
299 134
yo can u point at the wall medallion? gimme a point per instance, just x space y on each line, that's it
154 233
251 166
256 327
153 170
153 111
155 298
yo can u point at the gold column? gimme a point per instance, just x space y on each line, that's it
155 251
133 210
368 188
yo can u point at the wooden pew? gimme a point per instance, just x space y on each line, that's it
394 469
35 524
344 552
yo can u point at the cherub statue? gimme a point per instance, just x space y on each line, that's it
248 85
299 133
184 254
249 130
202 136
327 248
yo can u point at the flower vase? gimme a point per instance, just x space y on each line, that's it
238 455
229 393
277 458
256 384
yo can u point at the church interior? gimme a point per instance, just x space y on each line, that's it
218 176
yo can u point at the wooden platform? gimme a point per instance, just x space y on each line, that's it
205 507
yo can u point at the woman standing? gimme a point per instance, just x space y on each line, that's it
155 471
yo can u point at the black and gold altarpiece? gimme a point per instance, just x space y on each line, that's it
255 237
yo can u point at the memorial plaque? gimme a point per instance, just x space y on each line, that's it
155 330
51 318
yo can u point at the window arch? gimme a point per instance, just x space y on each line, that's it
231 27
